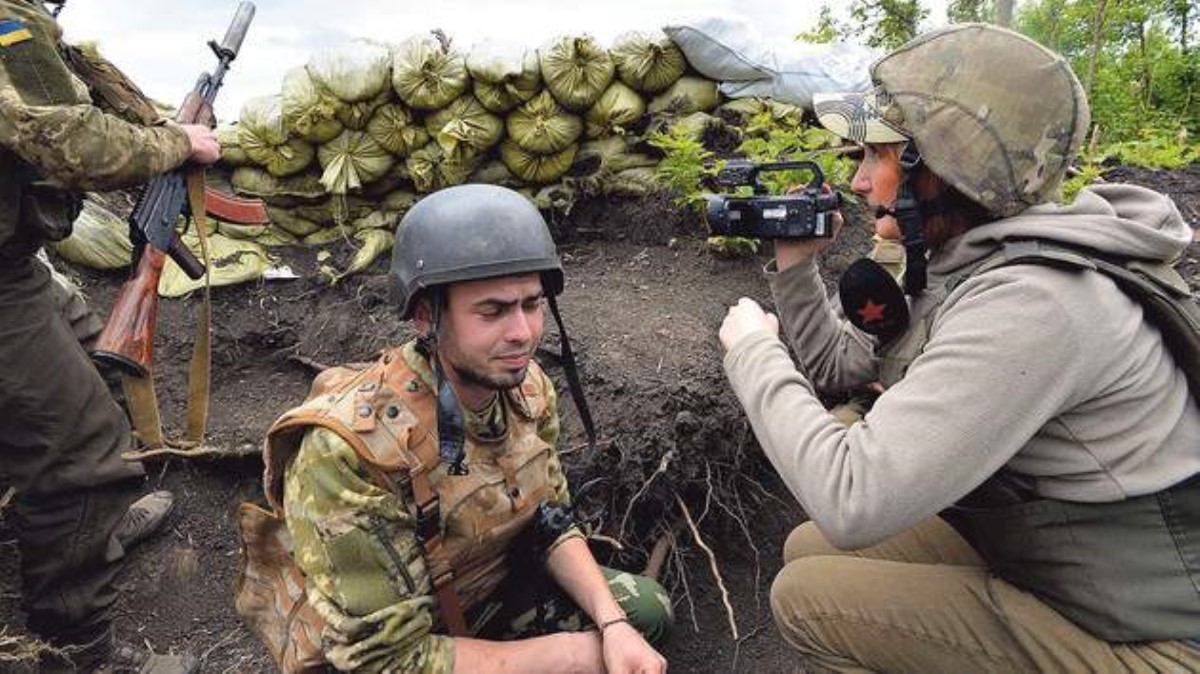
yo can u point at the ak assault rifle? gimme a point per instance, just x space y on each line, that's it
127 341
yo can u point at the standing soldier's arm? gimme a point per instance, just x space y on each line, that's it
48 120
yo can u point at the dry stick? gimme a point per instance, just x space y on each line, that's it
658 554
677 558
662 468
712 563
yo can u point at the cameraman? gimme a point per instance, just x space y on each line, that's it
1032 407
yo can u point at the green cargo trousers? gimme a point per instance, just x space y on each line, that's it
529 604
924 602
61 438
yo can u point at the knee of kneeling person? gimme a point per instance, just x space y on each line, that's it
807 540
650 611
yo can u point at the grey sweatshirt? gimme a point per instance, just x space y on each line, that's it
1050 373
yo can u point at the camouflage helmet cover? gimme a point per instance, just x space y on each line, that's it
470 232
993 113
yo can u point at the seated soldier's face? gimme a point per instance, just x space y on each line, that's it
489 331
877 180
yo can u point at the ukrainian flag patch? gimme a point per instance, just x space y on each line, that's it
12 31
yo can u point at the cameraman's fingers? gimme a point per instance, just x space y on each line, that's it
773 324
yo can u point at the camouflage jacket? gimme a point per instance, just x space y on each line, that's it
356 541
54 141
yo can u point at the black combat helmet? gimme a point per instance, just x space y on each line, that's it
466 233
470 232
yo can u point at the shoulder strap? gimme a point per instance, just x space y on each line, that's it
1164 295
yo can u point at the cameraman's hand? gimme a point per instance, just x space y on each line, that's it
791 252
745 318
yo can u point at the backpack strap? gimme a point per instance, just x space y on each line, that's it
1166 300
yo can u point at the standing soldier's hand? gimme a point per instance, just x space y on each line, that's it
205 148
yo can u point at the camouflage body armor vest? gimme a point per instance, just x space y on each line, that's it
387 413
1125 570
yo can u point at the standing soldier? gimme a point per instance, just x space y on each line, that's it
61 433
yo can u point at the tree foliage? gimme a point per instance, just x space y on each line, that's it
1138 59
887 24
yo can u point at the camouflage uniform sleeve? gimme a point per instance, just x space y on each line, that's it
364 571
47 118
547 429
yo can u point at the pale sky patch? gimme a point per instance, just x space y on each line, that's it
162 44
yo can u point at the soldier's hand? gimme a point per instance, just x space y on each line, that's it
744 318
626 652
205 148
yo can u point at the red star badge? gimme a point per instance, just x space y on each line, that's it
871 312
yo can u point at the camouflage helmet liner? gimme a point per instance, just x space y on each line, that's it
995 114
471 232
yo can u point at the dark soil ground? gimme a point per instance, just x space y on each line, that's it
642 304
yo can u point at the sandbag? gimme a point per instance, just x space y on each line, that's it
351 159
372 243
613 154
395 130
743 110
432 169
687 95
647 63
255 182
504 75
464 128
617 111
399 201
723 48
800 69
353 72
634 182
232 153
263 136
292 223
495 173
576 70
541 126
427 74
308 112
355 116
232 262
99 239
535 168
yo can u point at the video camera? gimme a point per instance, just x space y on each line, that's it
805 214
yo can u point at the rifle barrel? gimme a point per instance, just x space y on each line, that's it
232 42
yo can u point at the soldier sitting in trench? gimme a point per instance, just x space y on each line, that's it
438 573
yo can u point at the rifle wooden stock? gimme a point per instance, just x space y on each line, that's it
127 341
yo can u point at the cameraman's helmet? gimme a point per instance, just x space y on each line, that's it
992 112
471 232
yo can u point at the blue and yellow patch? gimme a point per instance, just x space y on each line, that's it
12 31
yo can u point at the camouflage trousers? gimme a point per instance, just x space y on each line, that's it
530 604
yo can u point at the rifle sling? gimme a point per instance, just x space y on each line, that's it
139 391
199 370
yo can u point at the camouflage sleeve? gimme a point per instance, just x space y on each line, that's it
547 429
47 118
364 572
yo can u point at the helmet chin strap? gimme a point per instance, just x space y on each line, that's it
907 211
451 425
